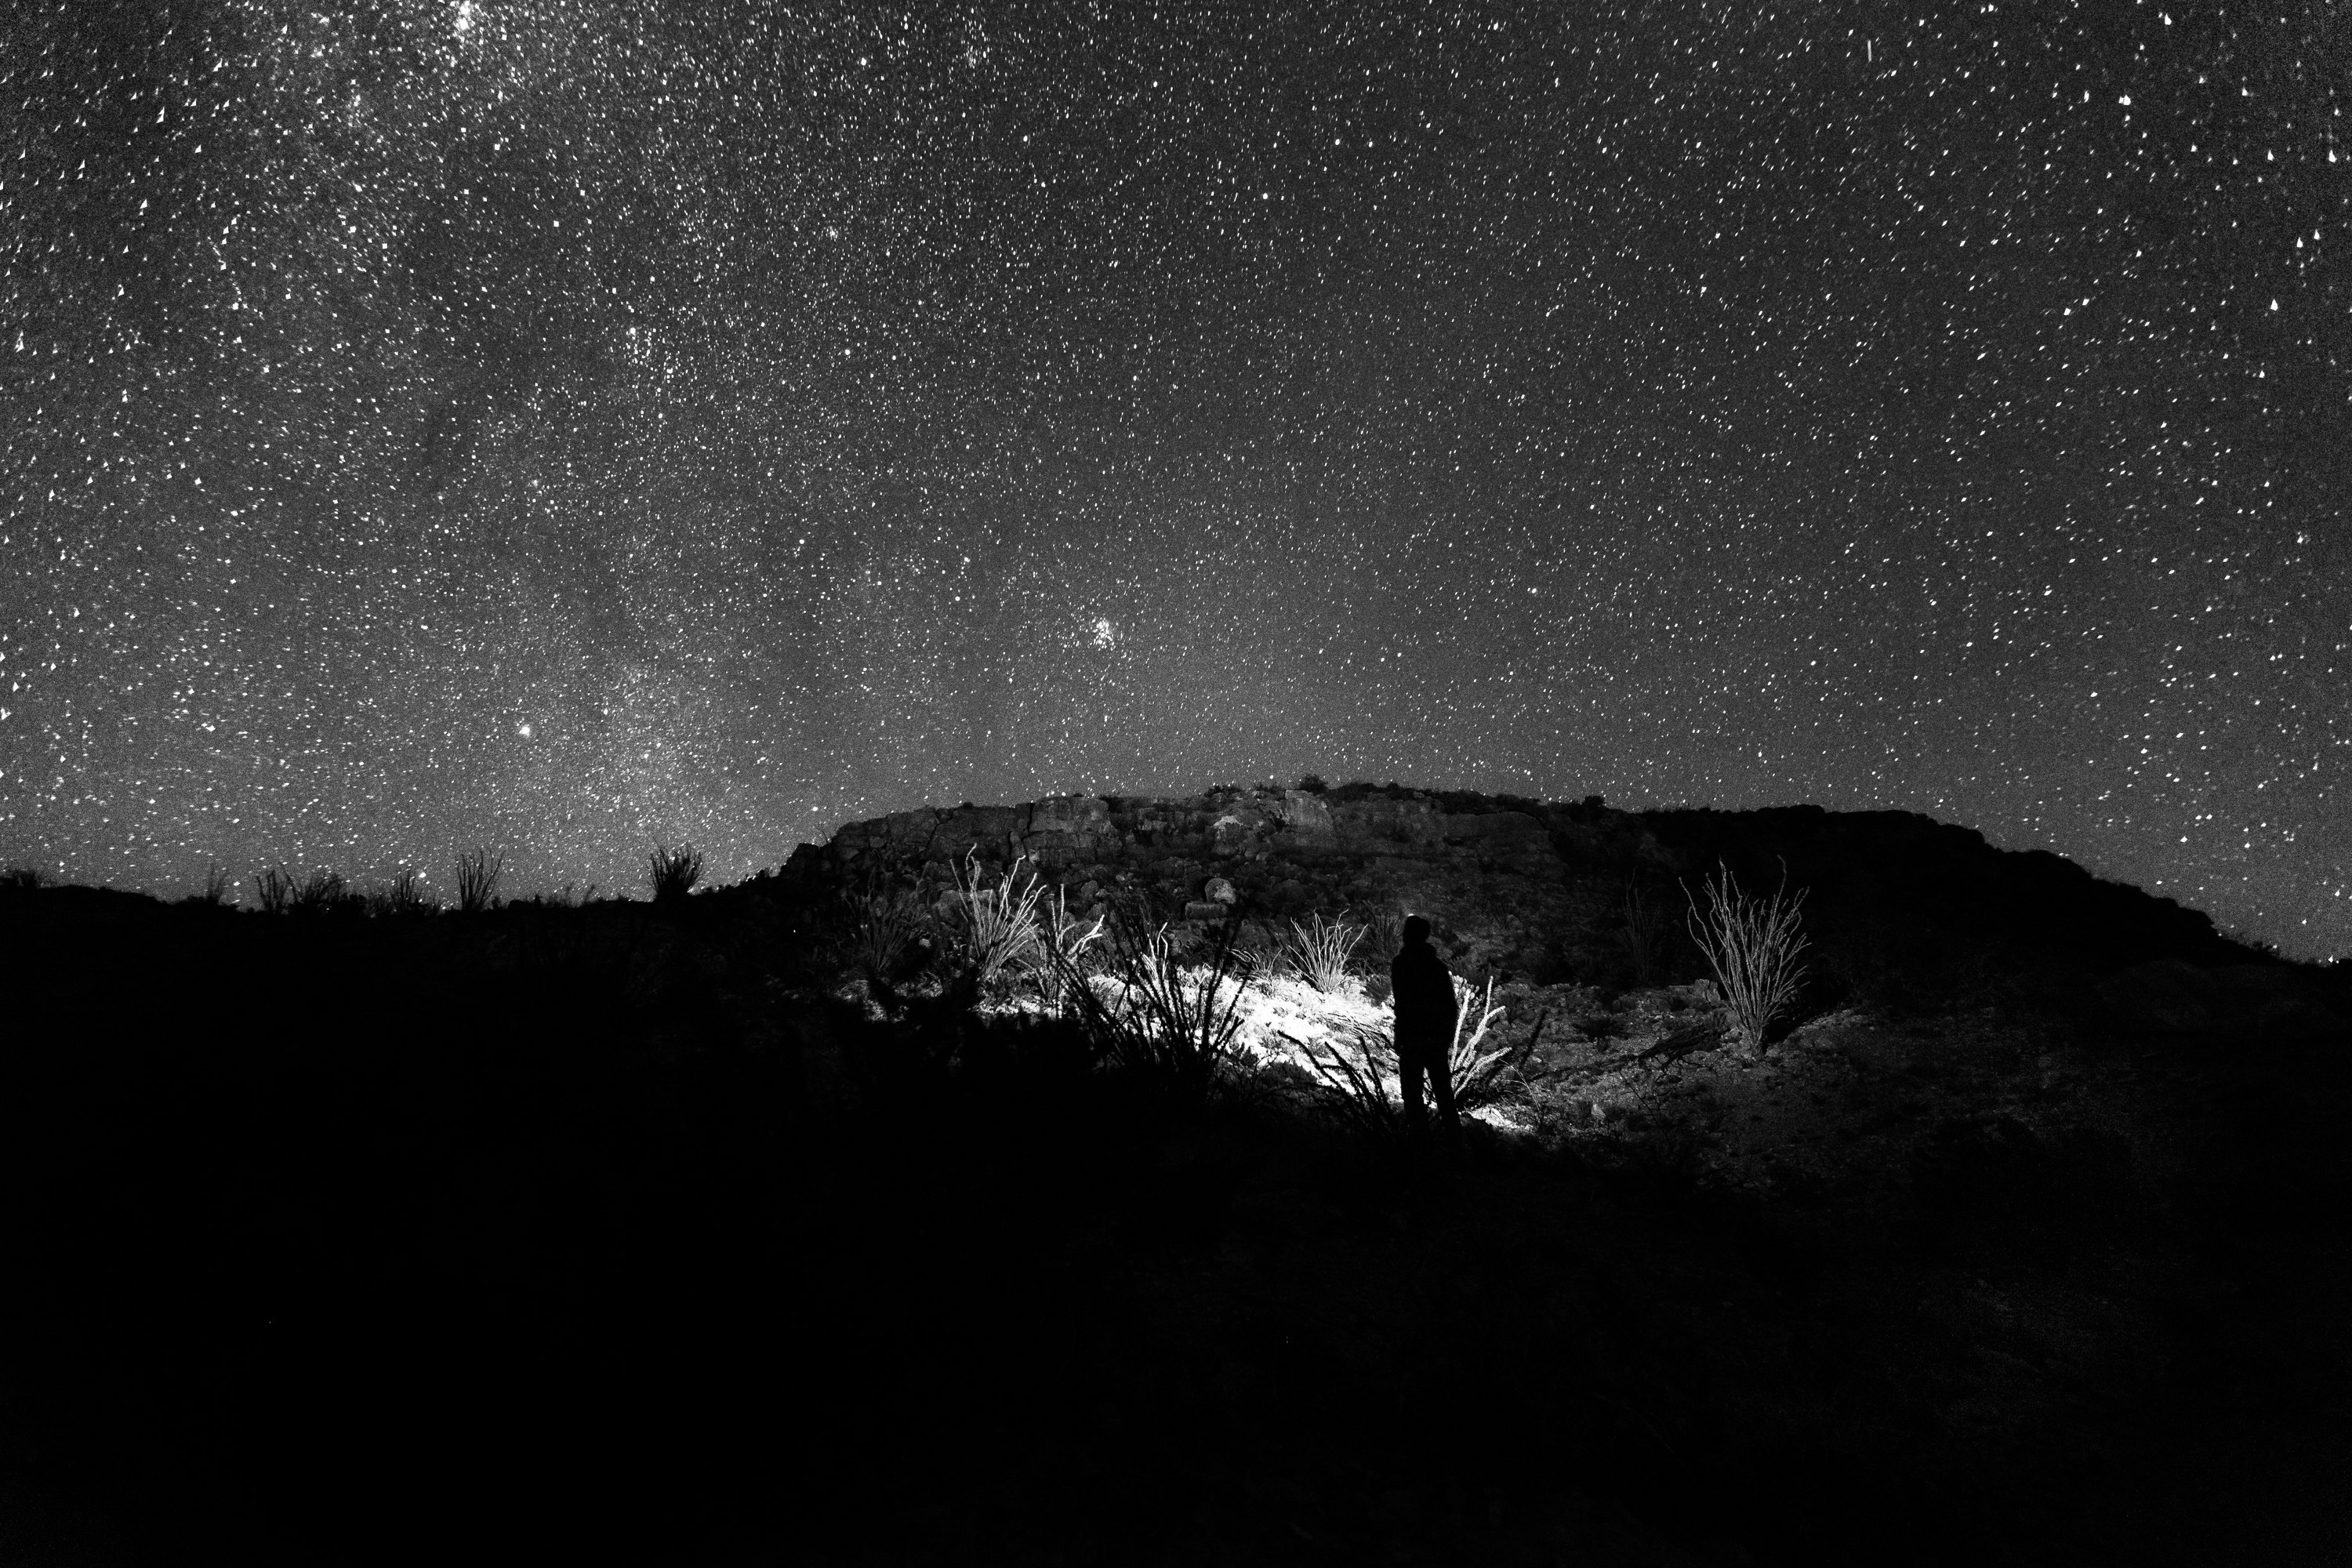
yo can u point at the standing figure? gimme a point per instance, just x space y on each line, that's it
1426 1015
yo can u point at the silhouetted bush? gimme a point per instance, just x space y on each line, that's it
1170 1026
673 873
885 931
1642 933
402 896
1066 951
478 881
1482 1072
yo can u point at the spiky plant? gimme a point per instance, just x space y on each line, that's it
399 897
1064 941
1000 931
1386 935
1642 932
673 873
883 924
1482 1073
1359 1073
1172 1025
1753 946
1357 1076
1319 950
274 888
319 892
478 881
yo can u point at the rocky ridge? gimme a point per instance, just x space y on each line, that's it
1900 907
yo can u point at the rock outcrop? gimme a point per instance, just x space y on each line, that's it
1900 907
1512 886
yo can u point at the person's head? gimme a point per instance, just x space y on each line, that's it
1416 929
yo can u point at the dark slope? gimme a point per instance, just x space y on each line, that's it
605 1230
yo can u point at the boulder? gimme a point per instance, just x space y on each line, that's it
1306 818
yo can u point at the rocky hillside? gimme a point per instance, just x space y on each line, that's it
1903 910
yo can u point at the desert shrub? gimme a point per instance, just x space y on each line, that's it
1642 933
1312 783
281 893
1482 1072
1319 951
1753 946
324 891
1000 927
1064 944
673 873
400 895
23 878
885 924
273 889
1357 1076
1384 933
1172 1026
478 881
1482 1069
218 888
1258 952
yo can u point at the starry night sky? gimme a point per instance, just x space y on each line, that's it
560 424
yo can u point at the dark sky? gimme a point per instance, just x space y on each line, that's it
564 423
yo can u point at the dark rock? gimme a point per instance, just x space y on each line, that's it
2173 996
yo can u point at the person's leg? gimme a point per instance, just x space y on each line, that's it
1441 1084
1409 1068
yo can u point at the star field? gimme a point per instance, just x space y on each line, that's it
563 424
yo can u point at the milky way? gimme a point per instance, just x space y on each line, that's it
565 425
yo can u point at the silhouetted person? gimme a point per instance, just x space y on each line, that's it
1423 989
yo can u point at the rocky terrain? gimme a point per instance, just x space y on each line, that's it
1903 910
749 1223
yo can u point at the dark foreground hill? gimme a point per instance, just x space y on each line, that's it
697 1235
